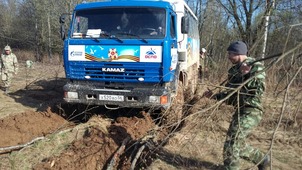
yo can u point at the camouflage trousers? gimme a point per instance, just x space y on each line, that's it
7 79
235 146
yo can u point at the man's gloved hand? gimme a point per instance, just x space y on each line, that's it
245 68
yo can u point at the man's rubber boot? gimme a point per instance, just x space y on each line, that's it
265 164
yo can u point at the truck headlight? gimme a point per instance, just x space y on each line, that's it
71 95
154 99
158 99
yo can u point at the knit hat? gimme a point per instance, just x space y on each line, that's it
7 48
238 47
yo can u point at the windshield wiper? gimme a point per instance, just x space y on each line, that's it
111 37
95 39
133 35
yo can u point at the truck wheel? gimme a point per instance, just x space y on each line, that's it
192 84
174 114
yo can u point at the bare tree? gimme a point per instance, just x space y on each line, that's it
243 13
269 6
9 9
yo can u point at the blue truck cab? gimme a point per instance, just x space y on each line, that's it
130 53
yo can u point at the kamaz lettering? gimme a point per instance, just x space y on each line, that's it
120 70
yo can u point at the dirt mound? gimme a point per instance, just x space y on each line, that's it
136 127
96 148
22 128
91 152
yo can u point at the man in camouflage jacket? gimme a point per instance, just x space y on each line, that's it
244 90
8 66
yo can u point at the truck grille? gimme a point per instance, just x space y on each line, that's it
150 72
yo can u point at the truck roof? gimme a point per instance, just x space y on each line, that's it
122 3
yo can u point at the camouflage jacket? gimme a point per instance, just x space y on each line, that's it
9 63
251 93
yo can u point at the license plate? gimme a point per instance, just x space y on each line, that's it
118 98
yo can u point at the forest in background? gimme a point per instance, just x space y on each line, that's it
269 27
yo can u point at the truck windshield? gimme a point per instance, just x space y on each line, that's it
122 23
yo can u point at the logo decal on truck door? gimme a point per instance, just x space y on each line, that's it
76 53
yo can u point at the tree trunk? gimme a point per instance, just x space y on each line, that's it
269 5
37 56
49 37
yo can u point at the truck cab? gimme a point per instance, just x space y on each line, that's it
128 54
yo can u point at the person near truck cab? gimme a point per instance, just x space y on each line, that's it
8 66
244 89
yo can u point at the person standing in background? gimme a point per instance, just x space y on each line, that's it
202 68
8 66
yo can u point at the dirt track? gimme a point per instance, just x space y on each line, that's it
90 140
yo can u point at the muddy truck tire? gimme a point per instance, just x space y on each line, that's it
174 114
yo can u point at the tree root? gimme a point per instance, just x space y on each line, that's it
18 147
117 154
139 152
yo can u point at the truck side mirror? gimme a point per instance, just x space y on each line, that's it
62 29
184 25
62 18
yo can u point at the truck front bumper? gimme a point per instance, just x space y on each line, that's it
118 94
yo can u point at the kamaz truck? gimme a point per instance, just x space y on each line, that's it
131 53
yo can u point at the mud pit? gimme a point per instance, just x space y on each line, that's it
93 148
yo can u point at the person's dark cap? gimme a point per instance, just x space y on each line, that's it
238 47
